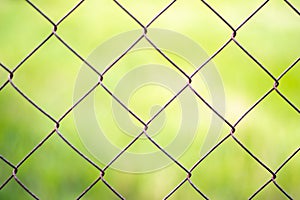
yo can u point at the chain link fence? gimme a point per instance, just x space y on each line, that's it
80 175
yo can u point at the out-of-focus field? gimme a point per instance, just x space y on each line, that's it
271 131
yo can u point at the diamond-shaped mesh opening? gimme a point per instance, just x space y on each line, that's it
186 191
229 162
37 172
275 44
22 29
234 14
236 70
151 8
271 192
159 188
55 10
51 68
283 136
288 178
22 122
94 23
194 20
13 191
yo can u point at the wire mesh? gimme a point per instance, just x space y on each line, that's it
103 171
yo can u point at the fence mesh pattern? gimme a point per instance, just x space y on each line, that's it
15 167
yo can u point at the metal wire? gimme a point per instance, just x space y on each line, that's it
188 86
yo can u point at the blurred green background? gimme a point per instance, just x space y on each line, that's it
271 131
